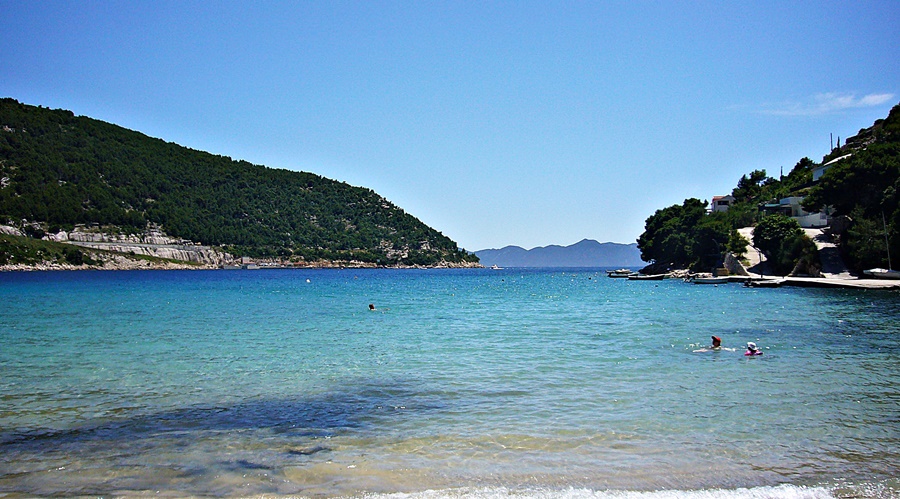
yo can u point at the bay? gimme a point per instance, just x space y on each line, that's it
462 383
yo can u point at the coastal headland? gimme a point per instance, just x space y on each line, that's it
90 249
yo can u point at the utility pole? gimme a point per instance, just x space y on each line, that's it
887 245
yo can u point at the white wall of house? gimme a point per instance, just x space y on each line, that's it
806 219
721 203
813 220
794 203
821 169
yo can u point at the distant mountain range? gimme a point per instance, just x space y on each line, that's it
586 253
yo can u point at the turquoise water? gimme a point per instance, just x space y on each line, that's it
462 383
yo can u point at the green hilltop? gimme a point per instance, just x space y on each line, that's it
58 171
859 192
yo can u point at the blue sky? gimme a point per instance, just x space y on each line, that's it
497 123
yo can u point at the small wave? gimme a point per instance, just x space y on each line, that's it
879 491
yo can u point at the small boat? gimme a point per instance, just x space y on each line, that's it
496 267
639 277
888 273
619 273
710 280
764 283
883 273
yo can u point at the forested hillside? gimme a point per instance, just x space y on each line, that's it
859 192
58 170
863 190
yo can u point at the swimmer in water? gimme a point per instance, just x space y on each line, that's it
371 306
715 347
752 349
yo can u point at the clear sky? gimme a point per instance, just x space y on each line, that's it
497 123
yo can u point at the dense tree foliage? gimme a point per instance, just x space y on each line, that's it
684 236
750 186
784 243
30 251
758 188
63 170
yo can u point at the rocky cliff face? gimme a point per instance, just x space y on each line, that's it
151 243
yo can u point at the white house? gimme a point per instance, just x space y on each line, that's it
791 207
820 170
721 203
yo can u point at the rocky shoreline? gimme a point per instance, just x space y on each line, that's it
123 263
154 250
107 260
112 262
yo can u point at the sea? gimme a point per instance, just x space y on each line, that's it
455 383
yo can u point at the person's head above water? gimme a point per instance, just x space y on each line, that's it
716 341
751 346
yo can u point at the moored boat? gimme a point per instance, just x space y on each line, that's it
764 283
640 277
620 273
710 280
883 273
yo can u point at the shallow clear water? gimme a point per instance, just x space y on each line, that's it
467 383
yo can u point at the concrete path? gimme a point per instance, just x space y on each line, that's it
833 265
757 261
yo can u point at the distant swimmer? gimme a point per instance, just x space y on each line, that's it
371 306
715 347
752 349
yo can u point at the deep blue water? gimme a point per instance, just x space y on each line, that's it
481 383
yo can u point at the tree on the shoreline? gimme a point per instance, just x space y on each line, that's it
684 236
784 243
